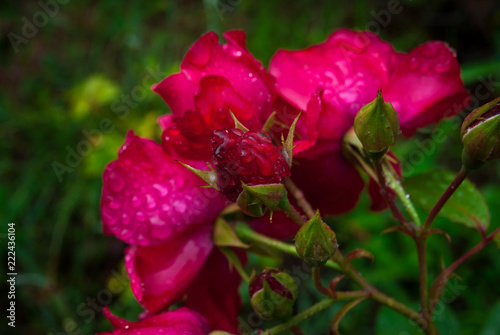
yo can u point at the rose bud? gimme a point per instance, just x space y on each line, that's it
272 294
377 126
481 135
245 158
315 242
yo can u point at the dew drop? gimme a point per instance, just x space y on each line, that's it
413 63
443 67
161 190
125 219
180 206
116 181
136 201
139 216
114 204
150 201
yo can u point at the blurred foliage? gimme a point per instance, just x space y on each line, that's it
68 85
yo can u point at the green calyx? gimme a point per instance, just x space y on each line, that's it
377 126
257 200
481 135
315 242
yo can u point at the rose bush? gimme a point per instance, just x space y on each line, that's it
153 203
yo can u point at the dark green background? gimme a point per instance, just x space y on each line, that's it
65 79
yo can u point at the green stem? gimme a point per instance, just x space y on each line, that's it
322 305
299 197
422 272
247 234
382 298
460 177
396 186
389 199
293 214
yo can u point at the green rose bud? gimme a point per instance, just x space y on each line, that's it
377 126
256 200
315 242
481 135
272 294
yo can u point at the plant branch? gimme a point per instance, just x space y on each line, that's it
298 195
442 279
422 273
320 306
334 326
460 177
293 214
246 234
318 284
382 298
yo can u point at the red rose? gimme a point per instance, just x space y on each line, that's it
331 81
214 79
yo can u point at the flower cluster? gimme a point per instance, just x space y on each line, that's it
157 206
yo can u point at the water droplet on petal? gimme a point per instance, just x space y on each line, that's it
139 216
413 63
162 190
180 206
125 219
150 201
443 67
136 201
114 204
116 181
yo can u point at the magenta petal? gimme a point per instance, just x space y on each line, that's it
178 93
147 197
160 275
426 86
233 62
330 182
214 293
216 97
350 66
182 321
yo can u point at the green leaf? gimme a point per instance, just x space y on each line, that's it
466 206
